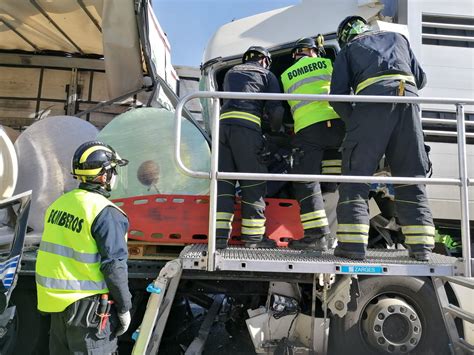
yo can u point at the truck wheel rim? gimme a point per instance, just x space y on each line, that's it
392 325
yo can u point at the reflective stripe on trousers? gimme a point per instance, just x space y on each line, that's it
419 234
315 219
331 167
353 233
253 227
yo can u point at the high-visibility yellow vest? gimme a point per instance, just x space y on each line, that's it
68 262
309 75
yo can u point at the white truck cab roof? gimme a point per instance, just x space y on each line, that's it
301 21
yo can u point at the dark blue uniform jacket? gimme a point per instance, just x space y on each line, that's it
369 55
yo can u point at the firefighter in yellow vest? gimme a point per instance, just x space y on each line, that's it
81 269
318 130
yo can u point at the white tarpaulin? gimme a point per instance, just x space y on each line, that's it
23 26
93 28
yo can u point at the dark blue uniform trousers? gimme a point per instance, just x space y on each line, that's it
240 149
373 130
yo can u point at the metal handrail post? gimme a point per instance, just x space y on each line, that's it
465 228
211 245
214 175
177 139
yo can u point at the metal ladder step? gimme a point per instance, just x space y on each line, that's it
449 312
163 291
284 260
458 312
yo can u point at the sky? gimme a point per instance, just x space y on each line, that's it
189 24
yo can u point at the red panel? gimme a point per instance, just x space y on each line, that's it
184 219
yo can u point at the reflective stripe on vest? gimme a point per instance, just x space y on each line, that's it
367 82
242 115
68 262
309 76
76 285
57 249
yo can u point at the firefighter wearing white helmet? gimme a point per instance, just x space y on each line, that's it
380 63
241 146
82 259
318 131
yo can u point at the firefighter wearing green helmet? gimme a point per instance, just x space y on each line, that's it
82 259
319 132
380 63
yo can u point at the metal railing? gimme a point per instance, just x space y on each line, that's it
214 175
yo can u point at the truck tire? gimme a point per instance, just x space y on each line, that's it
394 315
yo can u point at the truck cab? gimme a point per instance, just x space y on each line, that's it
437 32
435 38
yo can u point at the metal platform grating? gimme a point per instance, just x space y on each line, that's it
378 262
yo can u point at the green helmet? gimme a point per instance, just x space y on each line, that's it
350 27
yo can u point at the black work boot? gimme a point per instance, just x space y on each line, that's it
221 243
354 251
310 243
260 242
419 252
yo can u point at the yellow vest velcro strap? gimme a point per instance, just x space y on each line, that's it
323 222
420 239
242 115
418 229
352 238
223 225
353 228
376 79
76 285
225 216
253 230
334 162
312 215
253 222
62 250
